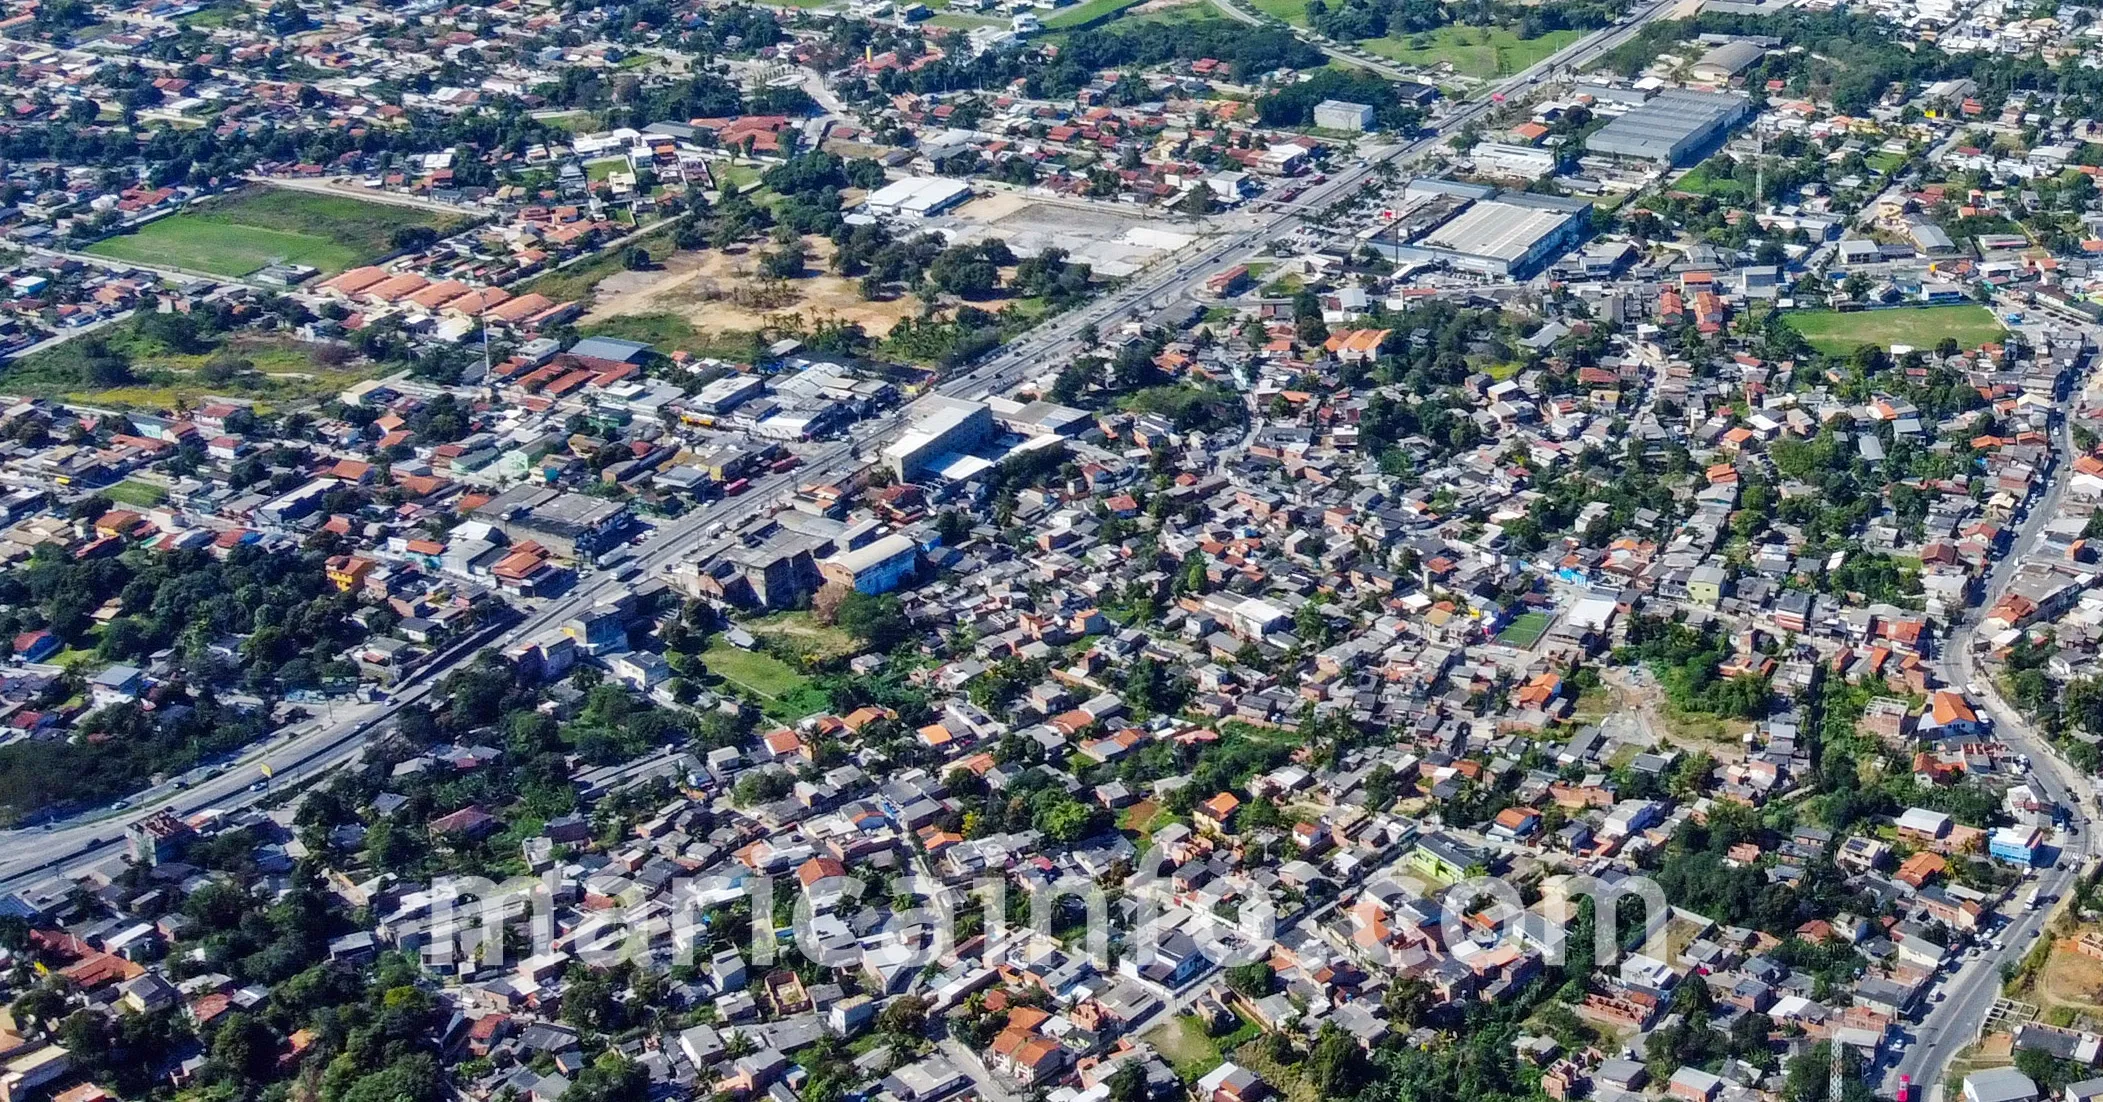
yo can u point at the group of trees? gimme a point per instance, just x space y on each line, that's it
1248 52
1696 875
267 621
1351 20
123 356
877 621
1685 660
1034 802
1291 105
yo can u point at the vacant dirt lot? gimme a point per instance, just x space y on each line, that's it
2070 979
722 290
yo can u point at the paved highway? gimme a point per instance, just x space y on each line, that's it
30 856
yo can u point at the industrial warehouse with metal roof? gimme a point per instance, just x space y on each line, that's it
1670 127
1476 228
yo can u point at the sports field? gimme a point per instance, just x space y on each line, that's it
1924 327
248 230
1525 630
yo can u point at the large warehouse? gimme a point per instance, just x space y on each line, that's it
1477 229
1671 128
942 426
917 196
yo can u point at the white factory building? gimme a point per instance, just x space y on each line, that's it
1336 114
916 197
1521 162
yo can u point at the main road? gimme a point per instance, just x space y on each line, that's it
1970 993
30 856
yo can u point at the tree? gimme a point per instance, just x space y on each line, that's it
409 239
878 621
635 258
1336 1064
786 260
1128 1083
905 1016
610 1078
1253 980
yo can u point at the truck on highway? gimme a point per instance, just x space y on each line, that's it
2030 898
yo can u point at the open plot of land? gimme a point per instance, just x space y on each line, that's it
1833 331
958 21
1708 178
803 632
1167 12
576 122
1479 52
1110 241
1292 11
734 177
237 234
1084 14
1525 630
269 370
1183 1043
2069 984
719 290
785 694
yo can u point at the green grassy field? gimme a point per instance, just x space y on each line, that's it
785 694
278 370
218 15
1081 15
1711 178
736 177
958 21
1481 52
1182 15
240 233
1525 630
1292 11
1837 333
144 495
803 632
575 122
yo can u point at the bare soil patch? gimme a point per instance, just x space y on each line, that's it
724 289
